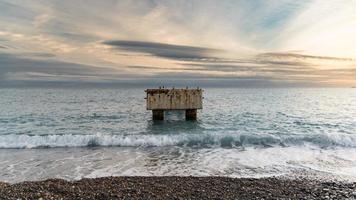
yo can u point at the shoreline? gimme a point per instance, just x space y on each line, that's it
175 187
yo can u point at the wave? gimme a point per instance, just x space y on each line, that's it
230 140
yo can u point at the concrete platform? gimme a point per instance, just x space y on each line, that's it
160 100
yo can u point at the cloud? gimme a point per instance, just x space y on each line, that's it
12 65
282 41
15 13
301 56
253 69
193 68
322 28
178 52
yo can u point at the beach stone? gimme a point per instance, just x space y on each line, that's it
3 184
178 188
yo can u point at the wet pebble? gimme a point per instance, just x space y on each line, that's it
178 188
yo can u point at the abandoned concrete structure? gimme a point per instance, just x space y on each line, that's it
160 100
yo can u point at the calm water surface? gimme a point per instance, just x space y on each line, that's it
75 133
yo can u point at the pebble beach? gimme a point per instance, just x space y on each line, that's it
178 188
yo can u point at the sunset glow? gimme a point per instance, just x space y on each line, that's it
276 43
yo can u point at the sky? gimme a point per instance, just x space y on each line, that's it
237 43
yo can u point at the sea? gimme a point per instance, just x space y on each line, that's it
240 132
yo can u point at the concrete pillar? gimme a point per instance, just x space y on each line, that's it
158 114
191 114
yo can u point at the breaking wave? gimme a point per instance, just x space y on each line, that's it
184 140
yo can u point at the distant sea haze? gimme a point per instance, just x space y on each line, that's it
75 133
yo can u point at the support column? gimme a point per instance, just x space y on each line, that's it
191 114
158 114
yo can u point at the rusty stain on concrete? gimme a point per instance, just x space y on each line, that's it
160 100
174 99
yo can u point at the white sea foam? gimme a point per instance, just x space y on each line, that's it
239 133
75 163
227 140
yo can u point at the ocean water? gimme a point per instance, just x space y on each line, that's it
77 133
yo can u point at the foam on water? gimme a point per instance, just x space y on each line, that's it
183 140
72 163
44 133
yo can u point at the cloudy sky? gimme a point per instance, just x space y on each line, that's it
225 42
